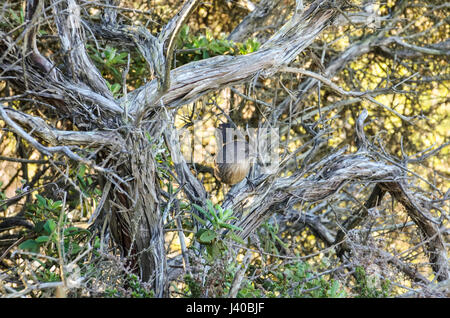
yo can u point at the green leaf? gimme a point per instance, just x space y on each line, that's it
214 250
117 75
14 16
206 236
97 243
22 16
184 32
41 200
49 226
39 226
236 238
230 226
42 239
73 248
123 55
71 231
82 170
212 211
227 213
55 205
119 58
97 59
115 88
110 53
183 205
200 209
334 289
199 219
30 245
219 208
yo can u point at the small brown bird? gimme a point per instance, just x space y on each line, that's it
232 162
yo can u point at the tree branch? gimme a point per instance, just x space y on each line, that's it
195 79
169 34
48 150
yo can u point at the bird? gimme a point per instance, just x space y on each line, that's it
232 161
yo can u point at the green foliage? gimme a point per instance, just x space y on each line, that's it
109 61
298 280
193 287
366 285
19 17
2 198
52 238
268 235
248 290
215 219
136 289
113 293
198 47
112 63
43 208
44 213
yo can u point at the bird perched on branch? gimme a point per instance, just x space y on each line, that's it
232 162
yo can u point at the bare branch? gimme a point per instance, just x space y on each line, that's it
169 34
195 79
341 91
46 150
68 22
63 137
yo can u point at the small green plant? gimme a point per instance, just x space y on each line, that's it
17 18
193 287
53 238
109 60
113 293
366 287
2 198
299 280
43 209
137 289
47 237
198 47
215 219
269 237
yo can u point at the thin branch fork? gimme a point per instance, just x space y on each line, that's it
195 79
63 137
169 35
352 52
46 80
43 149
68 22
364 95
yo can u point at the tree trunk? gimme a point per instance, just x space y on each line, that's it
136 222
